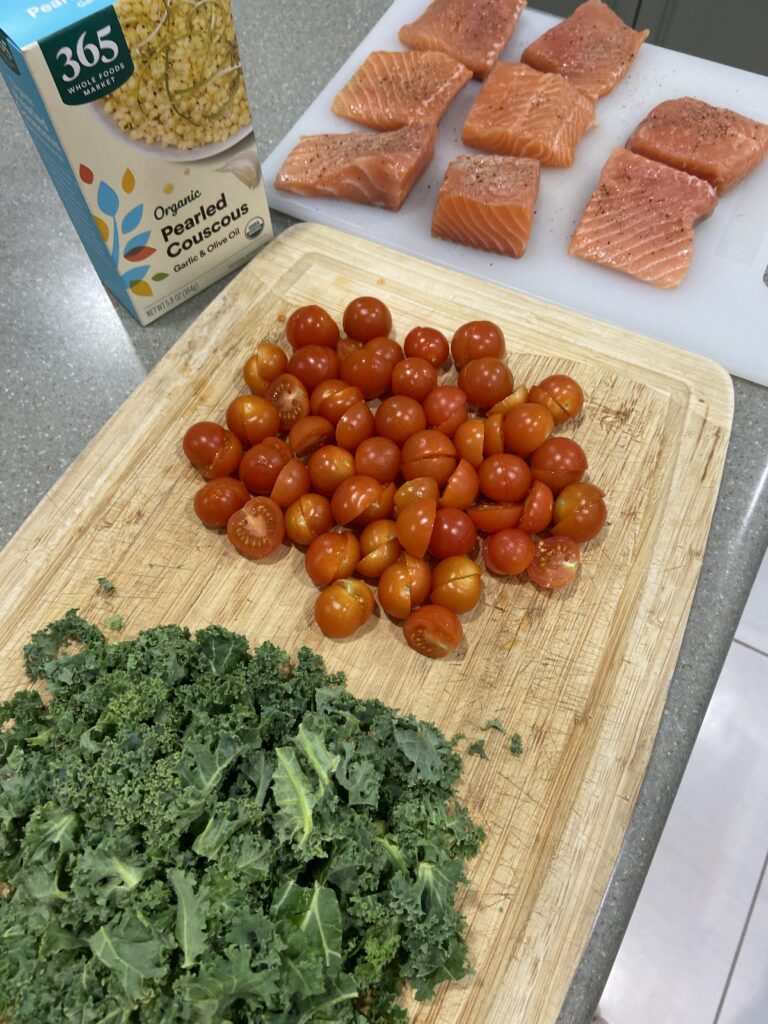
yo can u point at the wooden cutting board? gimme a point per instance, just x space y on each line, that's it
581 674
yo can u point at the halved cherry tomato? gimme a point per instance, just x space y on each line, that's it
262 368
386 348
379 547
493 438
433 631
476 339
355 426
382 507
313 364
331 556
415 524
491 517
321 392
378 457
279 445
311 325
309 434
418 487
456 584
217 500
518 396
212 449
486 381
290 398
468 439
580 512
251 418
558 462
329 466
527 427
367 317
508 552
353 496
307 518
414 377
257 528
336 402
427 343
428 453
504 478
261 465
537 509
399 417
292 481
404 585
561 395
343 607
445 409
368 371
462 487
555 563
453 533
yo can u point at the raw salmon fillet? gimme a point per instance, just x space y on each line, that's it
394 89
522 112
488 202
377 168
473 31
593 48
713 143
640 219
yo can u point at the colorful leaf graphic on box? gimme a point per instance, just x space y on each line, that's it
137 242
141 288
132 219
86 174
128 182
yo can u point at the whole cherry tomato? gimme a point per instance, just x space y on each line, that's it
418 487
328 467
427 343
379 547
307 518
404 585
469 439
212 449
537 509
368 371
309 434
262 368
527 427
428 453
367 317
251 418
414 377
292 481
462 487
347 346
415 524
508 552
453 533
386 348
491 517
555 563
561 395
399 417
446 408
504 478
343 607
313 364
331 556
355 426
290 398
579 512
433 631
558 462
257 528
486 381
217 500
311 325
353 496
476 339
456 584
260 467
378 457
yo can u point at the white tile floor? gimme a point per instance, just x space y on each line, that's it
696 950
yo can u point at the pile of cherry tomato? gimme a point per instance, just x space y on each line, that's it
398 493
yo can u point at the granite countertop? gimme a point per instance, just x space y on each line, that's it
70 356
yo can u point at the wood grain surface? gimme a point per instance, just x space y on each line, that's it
581 674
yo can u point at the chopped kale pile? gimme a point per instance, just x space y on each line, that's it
191 832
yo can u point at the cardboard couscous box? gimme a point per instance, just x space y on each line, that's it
139 111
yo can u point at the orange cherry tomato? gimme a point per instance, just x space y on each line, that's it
445 409
336 403
527 427
354 426
379 547
353 496
504 478
290 398
418 487
331 556
387 348
309 434
261 465
558 462
343 607
367 317
400 417
555 563
212 449
257 528
537 508
518 396
292 481
368 371
469 438
453 533
307 518
414 526
251 418
262 368
433 631
427 343
313 364
328 467
475 340
493 438
579 512
486 381
428 453
404 585
415 378
491 517
456 584
378 457
508 552
311 325
462 487
382 507
561 395
217 500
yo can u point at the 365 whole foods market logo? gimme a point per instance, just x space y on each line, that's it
120 230
89 59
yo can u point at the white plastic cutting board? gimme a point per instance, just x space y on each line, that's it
720 310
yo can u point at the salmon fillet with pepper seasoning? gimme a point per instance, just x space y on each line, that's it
522 112
377 168
640 219
593 48
488 202
394 89
713 143
473 31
